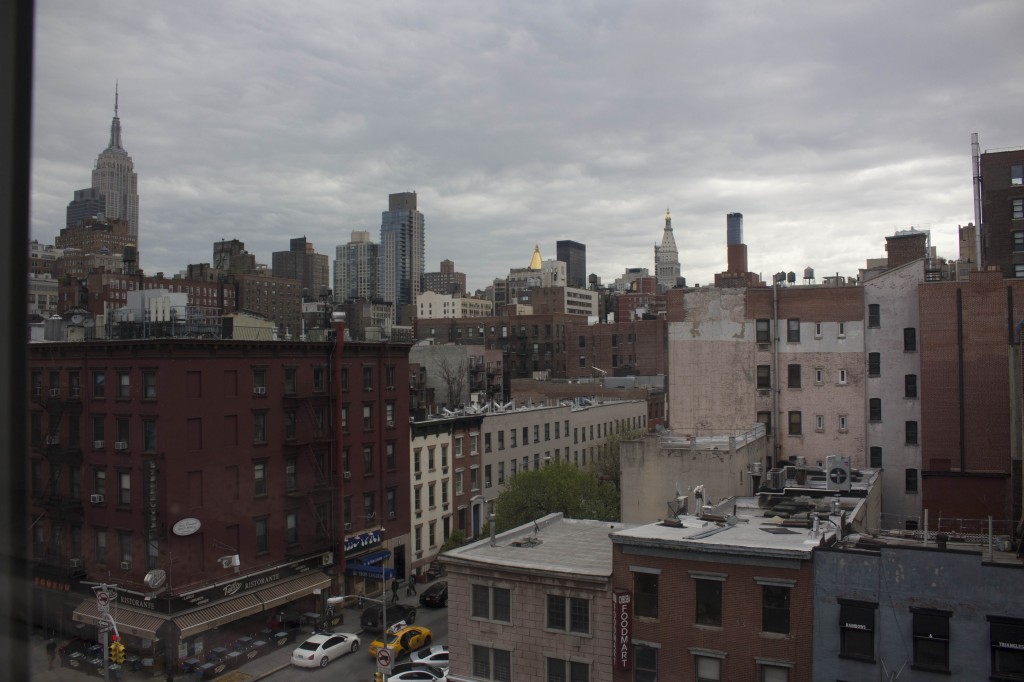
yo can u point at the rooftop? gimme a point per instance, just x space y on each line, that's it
552 544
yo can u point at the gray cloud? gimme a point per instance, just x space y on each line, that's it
826 124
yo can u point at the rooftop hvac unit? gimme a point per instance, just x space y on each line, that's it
96 499
776 479
838 472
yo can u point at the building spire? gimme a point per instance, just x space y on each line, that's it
668 219
115 125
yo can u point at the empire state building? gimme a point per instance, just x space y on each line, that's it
115 178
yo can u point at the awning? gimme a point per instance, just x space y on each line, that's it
129 621
374 558
213 616
293 589
375 572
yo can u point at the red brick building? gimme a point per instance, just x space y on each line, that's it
632 347
970 438
216 469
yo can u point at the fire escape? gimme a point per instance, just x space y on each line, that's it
57 506
310 441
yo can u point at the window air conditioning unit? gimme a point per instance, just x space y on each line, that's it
391 423
121 445
98 444
348 526
126 565
54 392
259 390
96 499
348 475
53 440
391 515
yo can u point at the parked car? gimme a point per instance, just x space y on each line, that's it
321 648
436 594
436 656
75 653
419 675
372 619
402 642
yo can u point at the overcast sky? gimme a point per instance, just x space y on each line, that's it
828 125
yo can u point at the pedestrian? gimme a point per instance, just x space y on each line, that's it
51 650
394 590
410 591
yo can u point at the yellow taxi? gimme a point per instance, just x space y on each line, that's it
402 641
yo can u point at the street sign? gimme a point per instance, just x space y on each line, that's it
102 599
103 627
384 659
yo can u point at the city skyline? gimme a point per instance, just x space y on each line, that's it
828 128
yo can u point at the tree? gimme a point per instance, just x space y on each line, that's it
606 467
555 487
454 541
454 373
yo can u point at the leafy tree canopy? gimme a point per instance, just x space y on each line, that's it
555 487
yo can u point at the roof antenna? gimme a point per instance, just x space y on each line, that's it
115 98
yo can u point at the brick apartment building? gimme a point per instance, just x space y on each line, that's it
626 348
1002 199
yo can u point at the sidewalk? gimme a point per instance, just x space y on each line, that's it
257 669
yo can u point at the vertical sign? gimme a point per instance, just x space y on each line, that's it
623 608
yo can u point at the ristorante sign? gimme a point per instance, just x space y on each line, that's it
623 628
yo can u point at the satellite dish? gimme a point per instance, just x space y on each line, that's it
155 579
76 318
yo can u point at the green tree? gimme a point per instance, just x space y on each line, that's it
555 487
454 540
606 466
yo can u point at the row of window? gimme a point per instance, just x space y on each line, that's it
708 666
796 420
615 340
763 330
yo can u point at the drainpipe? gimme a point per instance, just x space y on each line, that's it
775 374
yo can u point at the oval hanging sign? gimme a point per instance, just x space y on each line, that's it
186 526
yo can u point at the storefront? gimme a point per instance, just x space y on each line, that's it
365 559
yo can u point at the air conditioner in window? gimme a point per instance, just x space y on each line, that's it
371 516
126 565
98 444
391 515
54 392
259 390
391 423
121 445
348 475
96 499
76 563
348 526
53 440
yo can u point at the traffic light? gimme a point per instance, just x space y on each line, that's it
116 651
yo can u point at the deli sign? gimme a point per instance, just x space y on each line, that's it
623 629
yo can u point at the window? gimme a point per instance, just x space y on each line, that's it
492 603
819 375
536 433
560 670
794 376
368 458
124 488
819 422
125 542
291 480
492 664
259 381
487 475
259 427
318 379
568 614
774 673
857 630
101 546
817 330
262 540
367 378
149 435
149 385
389 454
547 432
1017 174
416 456
289 424
874 315
501 473
793 330
367 417
645 594
99 481
259 476
931 639
910 339
99 379
1018 240
775 609
389 412
389 377
844 423
292 528
874 364
458 482
1018 209
582 361
709 602
369 508
910 386
645 663
875 461
432 496
796 423
708 669
763 331
1018 270
391 500
501 441
458 446
289 380
344 418
1007 641
417 499
474 478
764 377
875 409
99 427
512 438
765 417
124 385
842 377
911 432
842 330
910 484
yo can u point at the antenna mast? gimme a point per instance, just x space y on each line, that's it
976 163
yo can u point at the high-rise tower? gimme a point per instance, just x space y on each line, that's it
574 255
666 257
356 268
115 178
402 245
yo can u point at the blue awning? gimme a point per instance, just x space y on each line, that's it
374 557
375 572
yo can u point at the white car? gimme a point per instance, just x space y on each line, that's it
419 675
436 655
323 647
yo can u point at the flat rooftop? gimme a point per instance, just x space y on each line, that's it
552 544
